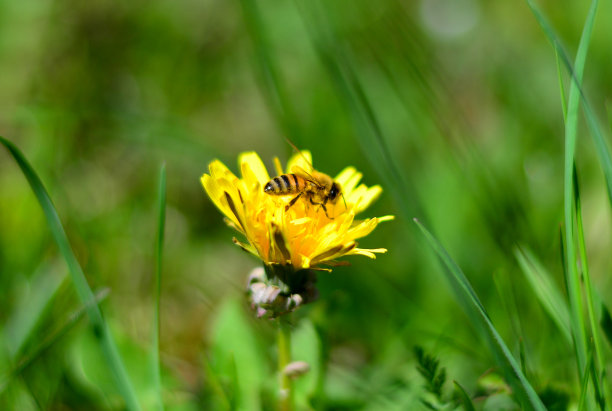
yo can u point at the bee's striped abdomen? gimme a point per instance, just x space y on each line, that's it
285 184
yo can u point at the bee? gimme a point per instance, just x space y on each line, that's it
319 188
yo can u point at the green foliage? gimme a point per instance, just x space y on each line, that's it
606 323
466 295
428 367
555 399
99 325
451 106
159 245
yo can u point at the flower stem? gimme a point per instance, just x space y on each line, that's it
285 398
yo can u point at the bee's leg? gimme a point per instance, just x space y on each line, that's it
325 209
292 202
322 205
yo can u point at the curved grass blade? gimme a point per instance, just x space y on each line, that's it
547 292
100 327
466 401
336 60
273 85
49 340
159 245
596 132
20 326
598 362
606 323
479 317
571 126
561 86
584 386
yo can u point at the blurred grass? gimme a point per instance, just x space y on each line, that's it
465 96
159 249
99 326
479 318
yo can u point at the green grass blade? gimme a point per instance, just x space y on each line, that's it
351 94
561 86
214 384
100 327
272 83
598 363
479 317
606 323
20 325
547 292
598 138
584 386
27 360
466 401
159 245
571 129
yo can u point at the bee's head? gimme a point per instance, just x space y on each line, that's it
334 192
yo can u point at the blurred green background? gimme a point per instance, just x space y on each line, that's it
465 96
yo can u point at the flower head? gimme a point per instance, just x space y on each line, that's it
292 237
304 235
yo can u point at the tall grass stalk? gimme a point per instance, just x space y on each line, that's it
159 245
272 82
571 131
336 60
598 366
49 340
546 291
571 207
100 327
481 320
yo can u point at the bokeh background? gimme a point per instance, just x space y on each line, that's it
453 106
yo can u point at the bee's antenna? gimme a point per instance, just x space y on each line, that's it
297 150
344 201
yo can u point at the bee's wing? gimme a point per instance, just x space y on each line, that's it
304 174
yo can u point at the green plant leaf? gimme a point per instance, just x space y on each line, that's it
100 327
159 245
32 306
466 401
480 319
237 358
601 146
306 346
546 290
50 339
606 323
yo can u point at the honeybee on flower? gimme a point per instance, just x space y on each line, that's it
292 233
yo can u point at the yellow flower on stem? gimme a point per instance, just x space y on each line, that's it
292 234
291 238
303 235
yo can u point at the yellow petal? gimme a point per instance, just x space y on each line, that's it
367 197
350 184
278 166
215 193
367 252
362 229
302 159
334 252
345 175
253 168
219 170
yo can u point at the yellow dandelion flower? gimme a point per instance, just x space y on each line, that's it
299 236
